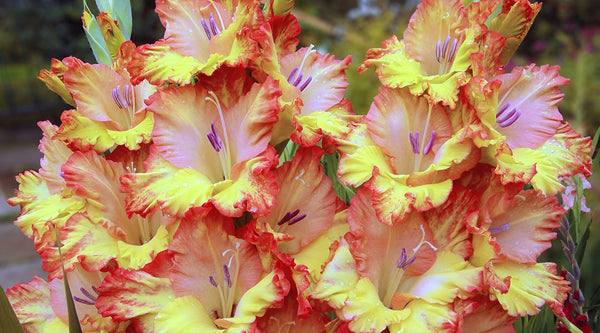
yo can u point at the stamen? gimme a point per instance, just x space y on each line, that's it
298 79
87 294
288 216
505 119
213 25
452 52
430 143
502 109
414 141
293 74
297 219
214 138
305 84
116 95
438 50
501 228
83 301
227 276
212 281
206 28
445 47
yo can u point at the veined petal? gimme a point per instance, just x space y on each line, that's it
531 93
211 264
524 230
479 314
448 222
56 154
31 303
306 201
133 295
531 286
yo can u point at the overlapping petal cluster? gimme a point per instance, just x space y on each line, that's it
170 199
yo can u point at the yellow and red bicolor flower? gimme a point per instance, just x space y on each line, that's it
200 36
307 219
103 234
434 55
110 110
394 276
529 141
409 152
480 314
45 201
507 241
210 280
41 306
313 85
211 145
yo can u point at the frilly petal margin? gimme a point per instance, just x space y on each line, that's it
31 302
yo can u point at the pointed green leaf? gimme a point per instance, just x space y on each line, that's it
95 38
119 10
74 326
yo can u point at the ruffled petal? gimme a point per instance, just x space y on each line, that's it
133 295
365 311
532 93
53 79
184 314
31 303
426 317
56 154
531 286
524 230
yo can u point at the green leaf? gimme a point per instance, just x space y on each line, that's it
9 322
579 253
74 326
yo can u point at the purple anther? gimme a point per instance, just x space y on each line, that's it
212 281
305 84
83 301
514 117
298 80
116 95
206 28
445 47
227 276
429 143
452 52
292 75
214 138
297 219
213 25
88 294
288 216
438 50
95 290
501 228
128 93
506 115
404 261
414 141
502 109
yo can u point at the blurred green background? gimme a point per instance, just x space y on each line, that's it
565 33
